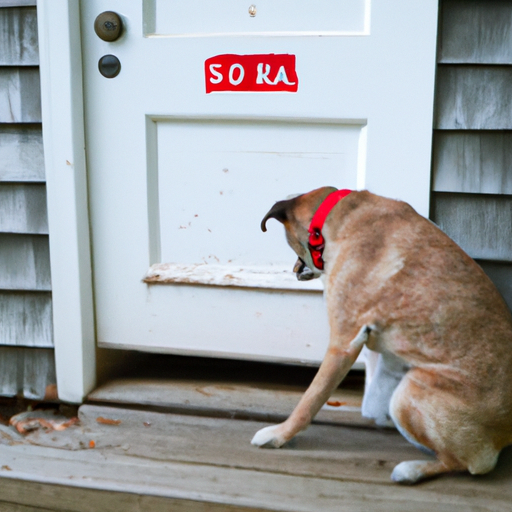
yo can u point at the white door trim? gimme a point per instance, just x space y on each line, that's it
66 180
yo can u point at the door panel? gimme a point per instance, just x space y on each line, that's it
196 17
209 172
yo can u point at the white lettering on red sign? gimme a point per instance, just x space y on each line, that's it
257 73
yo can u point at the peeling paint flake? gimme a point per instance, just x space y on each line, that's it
229 275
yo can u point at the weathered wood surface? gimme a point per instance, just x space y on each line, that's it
473 98
21 153
23 208
26 371
24 262
476 31
232 399
228 388
18 37
480 224
61 498
20 97
26 319
210 460
17 3
501 276
13 507
474 162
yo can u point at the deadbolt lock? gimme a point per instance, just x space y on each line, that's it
108 26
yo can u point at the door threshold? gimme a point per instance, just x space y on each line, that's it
227 389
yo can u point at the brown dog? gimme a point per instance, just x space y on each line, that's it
442 333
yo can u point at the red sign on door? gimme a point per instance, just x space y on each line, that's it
257 73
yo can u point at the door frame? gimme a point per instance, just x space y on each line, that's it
62 99
74 334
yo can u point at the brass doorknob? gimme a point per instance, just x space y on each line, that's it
108 26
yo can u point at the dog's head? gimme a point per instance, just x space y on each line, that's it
296 214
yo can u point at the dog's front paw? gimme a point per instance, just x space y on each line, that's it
269 437
410 472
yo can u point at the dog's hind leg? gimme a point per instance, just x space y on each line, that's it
337 362
437 422
380 386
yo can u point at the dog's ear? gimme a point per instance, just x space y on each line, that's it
279 212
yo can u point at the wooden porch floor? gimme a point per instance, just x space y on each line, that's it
155 459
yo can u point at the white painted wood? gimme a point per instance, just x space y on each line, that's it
329 17
26 319
18 37
62 106
20 101
183 177
23 208
21 153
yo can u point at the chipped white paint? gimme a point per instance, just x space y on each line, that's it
277 278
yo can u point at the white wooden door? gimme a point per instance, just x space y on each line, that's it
181 173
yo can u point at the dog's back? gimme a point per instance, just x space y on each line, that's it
431 304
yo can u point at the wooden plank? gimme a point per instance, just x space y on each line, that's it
26 319
38 372
14 507
480 224
18 37
501 275
211 461
476 31
20 97
233 399
17 3
474 162
21 153
66 498
228 388
23 208
26 372
473 98
322 451
24 262
9 371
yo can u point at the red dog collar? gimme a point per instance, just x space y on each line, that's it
316 240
